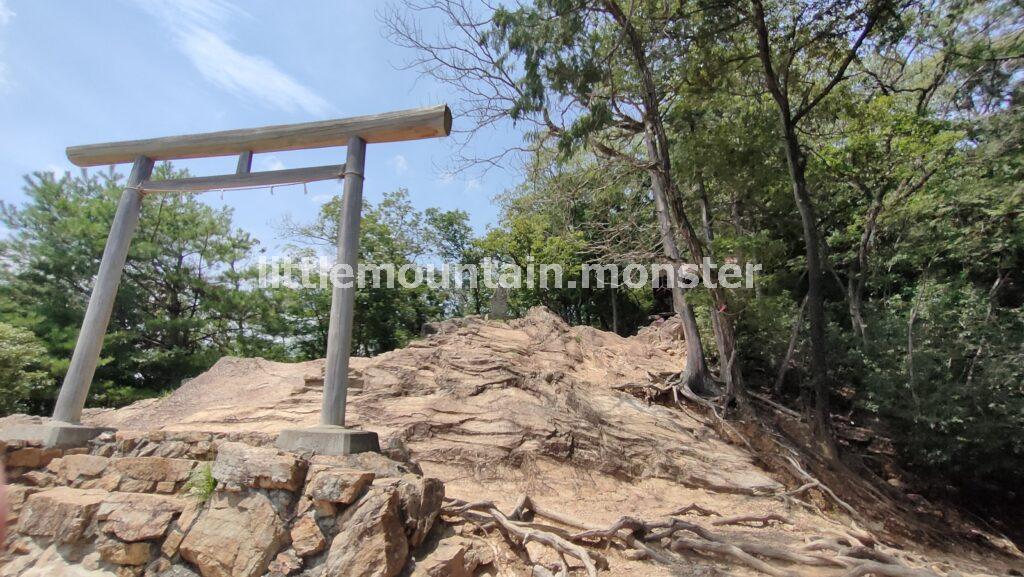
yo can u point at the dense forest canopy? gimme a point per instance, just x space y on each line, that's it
866 153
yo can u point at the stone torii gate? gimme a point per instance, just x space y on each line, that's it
331 436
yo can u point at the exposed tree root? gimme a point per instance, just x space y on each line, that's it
788 462
811 482
885 570
695 508
764 520
669 540
521 534
726 550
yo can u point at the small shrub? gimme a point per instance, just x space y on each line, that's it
201 483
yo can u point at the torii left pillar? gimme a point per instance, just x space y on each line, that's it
66 430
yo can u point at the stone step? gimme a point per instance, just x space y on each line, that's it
22 457
163 475
196 445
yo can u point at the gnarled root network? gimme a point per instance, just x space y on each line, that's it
669 541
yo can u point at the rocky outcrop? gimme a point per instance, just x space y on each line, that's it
62 514
454 556
336 485
479 395
371 541
236 536
127 474
139 517
239 465
498 410
420 502
269 513
307 538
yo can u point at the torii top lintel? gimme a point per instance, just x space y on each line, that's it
414 124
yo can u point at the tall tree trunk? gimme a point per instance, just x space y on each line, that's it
855 281
696 373
613 292
794 335
789 118
819 414
730 370
709 237
815 280
656 139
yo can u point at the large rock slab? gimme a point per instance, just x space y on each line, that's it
478 396
74 468
236 537
371 541
307 538
118 553
63 514
240 465
375 463
18 494
138 517
31 457
454 556
420 505
335 484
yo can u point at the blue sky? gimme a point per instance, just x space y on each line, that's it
84 72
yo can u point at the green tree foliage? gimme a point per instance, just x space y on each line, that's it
23 382
571 213
392 232
451 240
177 309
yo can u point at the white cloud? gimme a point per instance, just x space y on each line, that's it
6 14
472 184
321 198
199 31
400 163
244 74
271 163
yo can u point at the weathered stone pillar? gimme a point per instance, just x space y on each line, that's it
331 437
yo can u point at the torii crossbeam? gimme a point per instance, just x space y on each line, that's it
354 133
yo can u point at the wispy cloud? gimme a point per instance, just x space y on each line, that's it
6 14
199 30
321 198
400 163
271 163
446 179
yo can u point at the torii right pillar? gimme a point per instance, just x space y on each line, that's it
331 437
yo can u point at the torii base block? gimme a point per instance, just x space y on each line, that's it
54 435
328 440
